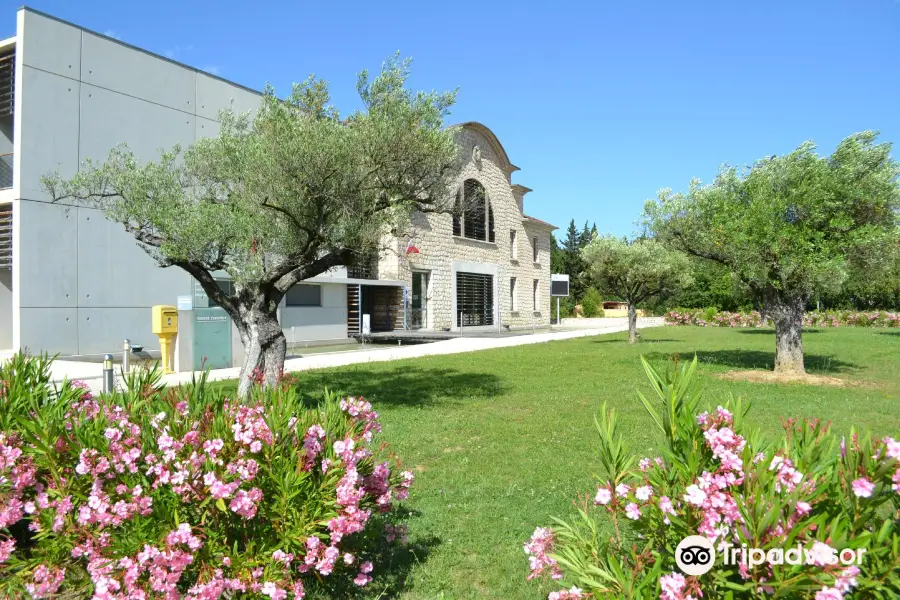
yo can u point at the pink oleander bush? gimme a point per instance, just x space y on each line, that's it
717 477
187 493
830 318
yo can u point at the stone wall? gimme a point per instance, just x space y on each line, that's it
442 254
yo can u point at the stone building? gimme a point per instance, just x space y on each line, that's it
487 265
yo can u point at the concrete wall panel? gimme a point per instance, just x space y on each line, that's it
101 330
214 95
50 45
48 255
54 330
117 67
109 119
49 131
113 271
207 128
6 336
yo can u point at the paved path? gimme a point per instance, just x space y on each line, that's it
92 372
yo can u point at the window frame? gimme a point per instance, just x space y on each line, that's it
513 303
287 296
470 219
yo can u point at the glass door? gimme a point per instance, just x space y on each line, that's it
418 305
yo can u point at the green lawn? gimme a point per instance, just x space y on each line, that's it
502 439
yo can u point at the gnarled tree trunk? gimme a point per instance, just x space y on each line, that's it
788 316
264 344
632 323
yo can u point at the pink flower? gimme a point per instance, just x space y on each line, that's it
540 544
847 579
827 593
632 511
643 493
572 593
892 448
622 490
6 549
695 496
672 586
863 488
603 496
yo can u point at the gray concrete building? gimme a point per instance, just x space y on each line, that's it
73 283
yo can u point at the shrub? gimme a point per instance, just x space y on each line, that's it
186 493
717 478
592 303
711 317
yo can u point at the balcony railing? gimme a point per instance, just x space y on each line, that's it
362 271
6 170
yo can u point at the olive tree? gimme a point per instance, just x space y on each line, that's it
789 226
281 195
635 271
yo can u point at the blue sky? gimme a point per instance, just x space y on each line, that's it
601 104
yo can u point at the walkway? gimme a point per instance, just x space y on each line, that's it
92 373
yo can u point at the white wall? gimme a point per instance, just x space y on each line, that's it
318 323
81 282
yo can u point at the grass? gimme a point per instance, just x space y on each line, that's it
500 440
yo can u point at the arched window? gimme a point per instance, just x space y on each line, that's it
469 218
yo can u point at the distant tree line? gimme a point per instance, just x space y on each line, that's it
566 258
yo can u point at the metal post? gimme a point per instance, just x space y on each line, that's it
107 374
460 323
558 316
126 356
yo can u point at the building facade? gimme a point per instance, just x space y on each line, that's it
488 264
73 283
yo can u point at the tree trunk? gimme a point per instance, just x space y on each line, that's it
264 346
788 316
632 323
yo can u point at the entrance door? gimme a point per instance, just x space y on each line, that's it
474 299
418 309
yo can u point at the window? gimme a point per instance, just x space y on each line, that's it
305 295
513 251
469 219
474 299
512 295
537 297
534 246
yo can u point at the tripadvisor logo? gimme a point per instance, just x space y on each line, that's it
695 555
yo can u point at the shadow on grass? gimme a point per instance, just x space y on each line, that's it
643 340
757 359
891 333
393 562
769 331
402 385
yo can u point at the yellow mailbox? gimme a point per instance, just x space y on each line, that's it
165 325
165 319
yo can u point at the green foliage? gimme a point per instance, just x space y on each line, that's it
791 225
120 474
592 303
635 271
717 478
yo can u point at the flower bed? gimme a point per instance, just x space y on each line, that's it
185 493
812 491
830 318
